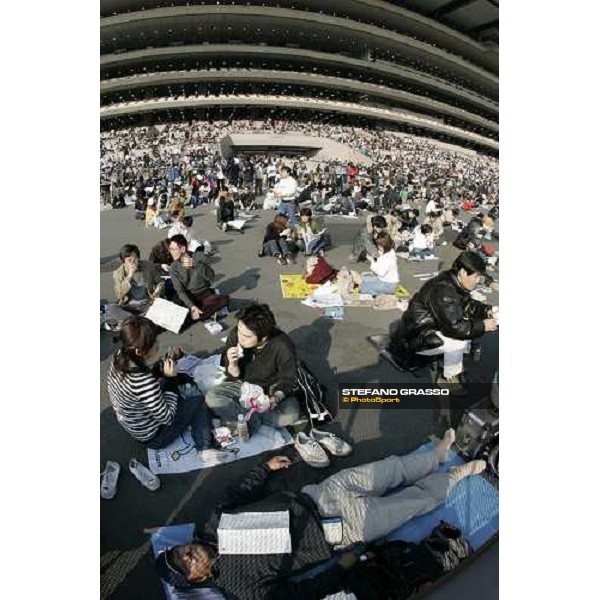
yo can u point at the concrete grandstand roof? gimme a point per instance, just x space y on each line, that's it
327 82
166 104
123 31
297 54
387 13
478 19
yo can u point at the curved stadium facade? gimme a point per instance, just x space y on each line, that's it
427 67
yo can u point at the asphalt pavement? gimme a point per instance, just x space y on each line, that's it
335 350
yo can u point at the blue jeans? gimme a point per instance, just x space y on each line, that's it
371 284
191 411
289 209
277 247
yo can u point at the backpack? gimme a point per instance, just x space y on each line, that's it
310 394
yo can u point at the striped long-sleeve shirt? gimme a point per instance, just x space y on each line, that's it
139 402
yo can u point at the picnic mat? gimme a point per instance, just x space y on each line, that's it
473 506
293 286
180 455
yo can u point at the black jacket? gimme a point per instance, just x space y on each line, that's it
226 212
440 305
469 235
271 233
267 576
272 367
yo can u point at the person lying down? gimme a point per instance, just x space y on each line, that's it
354 497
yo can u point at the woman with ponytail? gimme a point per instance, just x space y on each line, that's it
146 399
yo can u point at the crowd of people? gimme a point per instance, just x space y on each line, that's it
159 162
162 172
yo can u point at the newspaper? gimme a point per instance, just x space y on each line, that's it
255 533
167 314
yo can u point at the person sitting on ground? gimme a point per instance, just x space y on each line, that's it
356 495
442 318
385 278
183 226
147 400
192 277
410 217
277 241
141 205
470 237
136 282
151 212
258 352
364 244
450 217
402 239
160 256
177 207
431 207
487 223
434 219
226 212
421 246
308 237
154 218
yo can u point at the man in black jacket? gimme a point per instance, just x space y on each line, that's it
358 497
192 278
442 318
257 352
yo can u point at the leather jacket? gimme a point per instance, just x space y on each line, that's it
443 305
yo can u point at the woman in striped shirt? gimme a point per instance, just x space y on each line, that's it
152 409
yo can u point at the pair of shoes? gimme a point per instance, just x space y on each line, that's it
453 384
310 448
110 477
212 457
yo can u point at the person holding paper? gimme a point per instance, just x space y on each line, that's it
147 400
192 277
357 499
308 237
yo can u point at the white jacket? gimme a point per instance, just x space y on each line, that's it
386 267
188 234
286 188
420 241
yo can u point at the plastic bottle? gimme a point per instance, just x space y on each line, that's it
242 429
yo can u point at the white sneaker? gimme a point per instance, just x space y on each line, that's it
332 443
110 476
310 451
144 475
214 457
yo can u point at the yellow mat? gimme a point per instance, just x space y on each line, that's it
293 286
